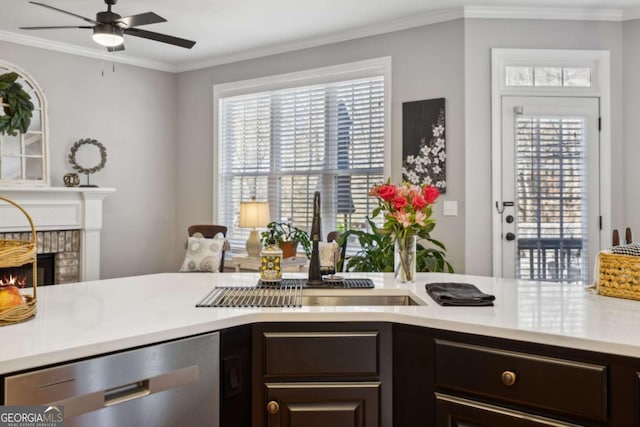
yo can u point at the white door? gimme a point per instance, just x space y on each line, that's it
550 188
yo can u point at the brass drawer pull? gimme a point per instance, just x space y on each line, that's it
273 407
508 378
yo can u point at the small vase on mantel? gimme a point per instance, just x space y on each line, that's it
404 259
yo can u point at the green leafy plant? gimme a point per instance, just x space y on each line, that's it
285 232
376 252
16 106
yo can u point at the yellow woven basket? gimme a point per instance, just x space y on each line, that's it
16 253
619 276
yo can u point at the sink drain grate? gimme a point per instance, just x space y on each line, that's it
253 296
328 283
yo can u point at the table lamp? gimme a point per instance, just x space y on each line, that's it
254 214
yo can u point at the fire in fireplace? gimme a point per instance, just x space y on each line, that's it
23 274
10 280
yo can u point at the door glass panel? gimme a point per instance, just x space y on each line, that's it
577 77
551 198
519 76
548 76
33 144
11 145
10 168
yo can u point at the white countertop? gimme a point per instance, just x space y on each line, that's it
91 318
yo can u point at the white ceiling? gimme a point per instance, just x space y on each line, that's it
225 29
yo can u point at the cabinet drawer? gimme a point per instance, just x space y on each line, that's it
456 412
548 383
318 354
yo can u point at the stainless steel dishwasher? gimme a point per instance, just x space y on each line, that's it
169 384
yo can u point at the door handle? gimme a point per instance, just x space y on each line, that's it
510 236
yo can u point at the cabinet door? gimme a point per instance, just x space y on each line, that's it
456 412
322 404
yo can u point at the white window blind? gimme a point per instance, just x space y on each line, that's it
282 145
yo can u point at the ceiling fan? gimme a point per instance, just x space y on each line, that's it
109 27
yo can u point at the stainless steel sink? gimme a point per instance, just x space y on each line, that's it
251 296
338 300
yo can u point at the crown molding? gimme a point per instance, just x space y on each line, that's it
38 42
486 12
357 33
632 13
547 13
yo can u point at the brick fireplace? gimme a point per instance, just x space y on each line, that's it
58 256
68 223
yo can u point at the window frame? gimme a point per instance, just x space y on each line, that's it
44 131
324 75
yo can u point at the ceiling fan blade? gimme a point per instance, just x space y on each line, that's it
141 19
63 11
54 28
160 37
116 48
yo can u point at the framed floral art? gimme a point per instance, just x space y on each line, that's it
424 144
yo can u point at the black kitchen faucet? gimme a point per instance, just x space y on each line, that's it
315 276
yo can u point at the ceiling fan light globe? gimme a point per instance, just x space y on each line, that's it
108 35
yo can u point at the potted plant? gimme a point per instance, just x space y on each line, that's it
16 107
287 236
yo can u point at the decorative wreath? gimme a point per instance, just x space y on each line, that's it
74 150
16 105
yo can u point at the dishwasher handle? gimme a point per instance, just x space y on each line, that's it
82 404
127 392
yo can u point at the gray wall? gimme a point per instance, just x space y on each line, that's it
158 127
132 112
631 79
427 62
480 36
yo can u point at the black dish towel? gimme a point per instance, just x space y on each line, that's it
460 294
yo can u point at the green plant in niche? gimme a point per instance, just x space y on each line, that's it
376 253
16 104
285 232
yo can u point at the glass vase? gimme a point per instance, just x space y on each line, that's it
404 259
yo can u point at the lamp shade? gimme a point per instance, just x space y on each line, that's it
108 35
254 214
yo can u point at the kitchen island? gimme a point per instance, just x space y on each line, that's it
90 318
82 320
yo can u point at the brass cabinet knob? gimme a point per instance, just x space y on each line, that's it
508 378
273 407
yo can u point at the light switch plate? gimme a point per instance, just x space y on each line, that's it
450 208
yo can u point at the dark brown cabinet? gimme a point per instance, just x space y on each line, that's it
394 375
322 404
322 374
574 388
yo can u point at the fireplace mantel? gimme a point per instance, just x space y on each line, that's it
60 208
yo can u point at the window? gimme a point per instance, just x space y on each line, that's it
23 157
283 144
542 76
